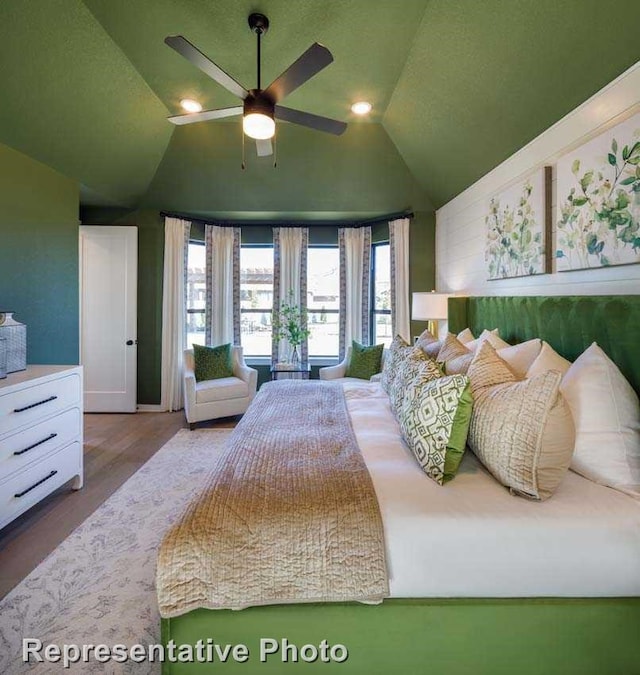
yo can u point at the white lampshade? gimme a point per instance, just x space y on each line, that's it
259 126
429 306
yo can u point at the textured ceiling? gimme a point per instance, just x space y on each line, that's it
457 85
485 77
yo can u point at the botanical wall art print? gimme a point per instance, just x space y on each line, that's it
518 224
599 201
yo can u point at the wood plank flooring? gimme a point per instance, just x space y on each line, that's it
115 447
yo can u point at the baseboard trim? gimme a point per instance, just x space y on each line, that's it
147 407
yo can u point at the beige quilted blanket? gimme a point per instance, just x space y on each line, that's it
288 515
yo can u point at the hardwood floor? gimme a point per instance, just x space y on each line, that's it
115 447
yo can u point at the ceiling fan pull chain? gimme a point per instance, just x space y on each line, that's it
243 165
275 150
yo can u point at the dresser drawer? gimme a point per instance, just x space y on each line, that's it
26 488
33 403
31 444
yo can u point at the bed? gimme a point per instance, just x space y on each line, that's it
523 587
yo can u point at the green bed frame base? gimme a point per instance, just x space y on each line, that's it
537 636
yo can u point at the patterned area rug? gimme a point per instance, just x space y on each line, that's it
98 586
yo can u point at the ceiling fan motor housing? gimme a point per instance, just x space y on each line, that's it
258 102
258 23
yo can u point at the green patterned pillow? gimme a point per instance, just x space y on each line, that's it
212 363
397 352
434 420
365 361
415 363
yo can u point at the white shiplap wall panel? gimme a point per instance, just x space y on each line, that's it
460 226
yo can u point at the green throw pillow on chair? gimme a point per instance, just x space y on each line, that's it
365 361
212 363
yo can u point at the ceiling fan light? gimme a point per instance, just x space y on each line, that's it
361 108
258 126
190 105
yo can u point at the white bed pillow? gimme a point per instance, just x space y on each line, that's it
490 336
465 336
548 359
457 357
606 412
520 357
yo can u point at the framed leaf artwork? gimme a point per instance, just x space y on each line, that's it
598 219
518 224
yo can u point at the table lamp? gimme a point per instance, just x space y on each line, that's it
431 307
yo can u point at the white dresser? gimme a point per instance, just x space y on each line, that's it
40 435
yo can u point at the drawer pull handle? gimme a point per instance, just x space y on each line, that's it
35 405
35 485
35 445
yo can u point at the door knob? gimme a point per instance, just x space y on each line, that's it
130 342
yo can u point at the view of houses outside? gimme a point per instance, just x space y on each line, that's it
256 298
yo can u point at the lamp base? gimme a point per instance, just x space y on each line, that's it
432 327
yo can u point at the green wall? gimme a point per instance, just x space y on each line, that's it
39 256
150 268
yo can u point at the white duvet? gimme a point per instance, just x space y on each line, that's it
472 538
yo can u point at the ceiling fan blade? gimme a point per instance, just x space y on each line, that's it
205 64
205 115
264 147
308 120
311 62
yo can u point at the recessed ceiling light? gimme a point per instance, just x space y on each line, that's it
190 105
361 107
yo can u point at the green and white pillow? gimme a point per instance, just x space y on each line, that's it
398 349
212 363
365 361
434 420
414 364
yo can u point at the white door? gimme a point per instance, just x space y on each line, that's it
108 307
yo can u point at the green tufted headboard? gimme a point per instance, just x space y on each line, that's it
568 323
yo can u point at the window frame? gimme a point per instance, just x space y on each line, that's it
203 310
255 311
372 290
327 311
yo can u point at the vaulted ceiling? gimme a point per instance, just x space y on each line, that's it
457 86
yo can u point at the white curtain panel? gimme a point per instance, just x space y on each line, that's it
399 254
290 276
174 303
355 252
220 305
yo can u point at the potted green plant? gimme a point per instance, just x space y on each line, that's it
290 324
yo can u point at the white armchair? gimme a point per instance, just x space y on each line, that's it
209 399
338 372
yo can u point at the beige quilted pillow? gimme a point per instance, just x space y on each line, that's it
487 369
522 431
429 343
451 349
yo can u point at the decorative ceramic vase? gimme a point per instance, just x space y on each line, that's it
15 334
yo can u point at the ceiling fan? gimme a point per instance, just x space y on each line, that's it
260 106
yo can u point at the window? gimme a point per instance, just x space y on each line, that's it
323 300
256 299
196 294
380 295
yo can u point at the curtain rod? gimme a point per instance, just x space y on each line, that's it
301 223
